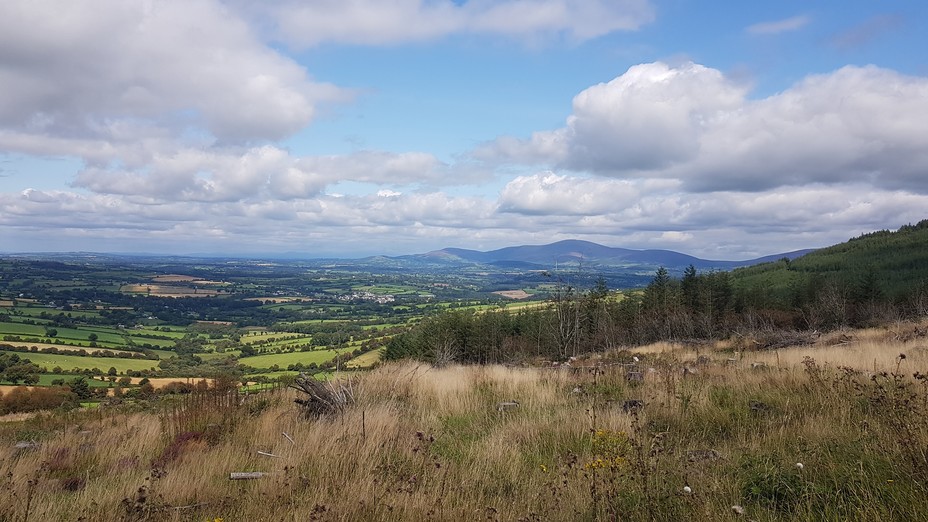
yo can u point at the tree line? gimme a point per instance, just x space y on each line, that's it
695 307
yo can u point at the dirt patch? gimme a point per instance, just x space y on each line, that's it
514 294
161 382
173 278
7 388
169 290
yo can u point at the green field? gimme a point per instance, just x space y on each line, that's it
279 339
46 379
365 360
209 356
283 360
105 336
88 350
69 362
163 354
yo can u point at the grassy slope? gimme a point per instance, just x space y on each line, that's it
365 360
895 260
285 359
425 443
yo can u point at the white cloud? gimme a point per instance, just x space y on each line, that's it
229 174
552 194
857 124
80 68
374 22
649 118
690 123
779 26
675 236
721 225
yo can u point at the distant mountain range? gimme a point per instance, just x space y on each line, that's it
576 253
568 254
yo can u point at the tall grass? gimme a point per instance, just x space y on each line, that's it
423 443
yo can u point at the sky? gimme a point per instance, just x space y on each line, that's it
347 128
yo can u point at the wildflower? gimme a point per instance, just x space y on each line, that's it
544 469
687 490
799 466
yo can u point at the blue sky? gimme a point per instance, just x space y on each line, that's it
364 127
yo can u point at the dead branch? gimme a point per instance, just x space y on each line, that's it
323 398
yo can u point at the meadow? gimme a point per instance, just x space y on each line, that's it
69 362
833 430
283 360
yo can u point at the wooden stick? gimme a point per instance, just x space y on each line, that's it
246 475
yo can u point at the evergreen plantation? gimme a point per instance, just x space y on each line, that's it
871 279
884 266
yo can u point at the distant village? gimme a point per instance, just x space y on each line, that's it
367 296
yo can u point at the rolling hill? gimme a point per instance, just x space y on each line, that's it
882 264
575 252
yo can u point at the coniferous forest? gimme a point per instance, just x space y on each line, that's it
871 279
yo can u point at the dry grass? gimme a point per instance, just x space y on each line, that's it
423 443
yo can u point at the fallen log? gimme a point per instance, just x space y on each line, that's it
322 397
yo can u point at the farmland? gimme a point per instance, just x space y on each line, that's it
80 363
166 318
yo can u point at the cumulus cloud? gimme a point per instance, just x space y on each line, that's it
649 118
691 123
399 223
194 174
549 193
372 22
779 26
77 69
721 225
857 124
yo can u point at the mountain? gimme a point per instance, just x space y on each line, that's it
574 253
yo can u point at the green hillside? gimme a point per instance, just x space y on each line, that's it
879 265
